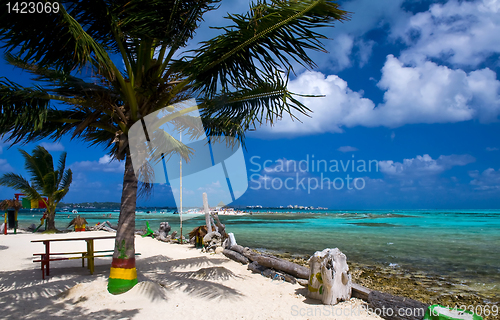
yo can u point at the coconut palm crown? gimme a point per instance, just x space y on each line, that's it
238 78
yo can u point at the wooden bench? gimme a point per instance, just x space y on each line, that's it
82 253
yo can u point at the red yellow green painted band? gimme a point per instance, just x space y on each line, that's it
122 276
117 286
122 273
123 263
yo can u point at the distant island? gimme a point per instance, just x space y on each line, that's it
90 205
116 205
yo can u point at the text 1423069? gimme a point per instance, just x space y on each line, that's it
33 7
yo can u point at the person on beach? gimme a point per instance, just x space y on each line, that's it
79 222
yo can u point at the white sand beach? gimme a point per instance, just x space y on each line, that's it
175 282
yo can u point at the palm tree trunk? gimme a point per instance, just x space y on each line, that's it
123 275
51 217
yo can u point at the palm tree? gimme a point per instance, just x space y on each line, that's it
45 181
239 78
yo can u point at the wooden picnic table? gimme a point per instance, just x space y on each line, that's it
89 254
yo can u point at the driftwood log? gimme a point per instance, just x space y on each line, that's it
272 262
283 265
270 273
233 255
376 299
162 233
207 212
396 308
106 226
247 252
358 291
329 280
236 247
232 240
212 240
221 228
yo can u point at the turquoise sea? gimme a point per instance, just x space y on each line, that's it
463 245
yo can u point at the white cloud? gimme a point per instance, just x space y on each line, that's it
428 93
463 33
103 164
422 166
489 179
5 166
185 192
369 14
421 93
347 149
341 50
56 146
364 51
491 149
344 50
416 90
340 107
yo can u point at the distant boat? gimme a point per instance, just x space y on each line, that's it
74 211
148 211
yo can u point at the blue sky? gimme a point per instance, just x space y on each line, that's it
412 85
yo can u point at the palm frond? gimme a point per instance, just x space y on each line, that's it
51 39
235 112
17 182
63 83
49 186
63 187
60 168
32 165
269 35
169 21
21 107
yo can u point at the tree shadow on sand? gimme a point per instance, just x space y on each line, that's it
24 295
202 283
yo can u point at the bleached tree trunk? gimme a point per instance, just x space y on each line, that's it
207 212
329 280
232 240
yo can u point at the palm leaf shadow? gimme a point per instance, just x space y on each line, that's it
200 283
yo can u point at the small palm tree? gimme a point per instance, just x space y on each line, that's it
45 181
